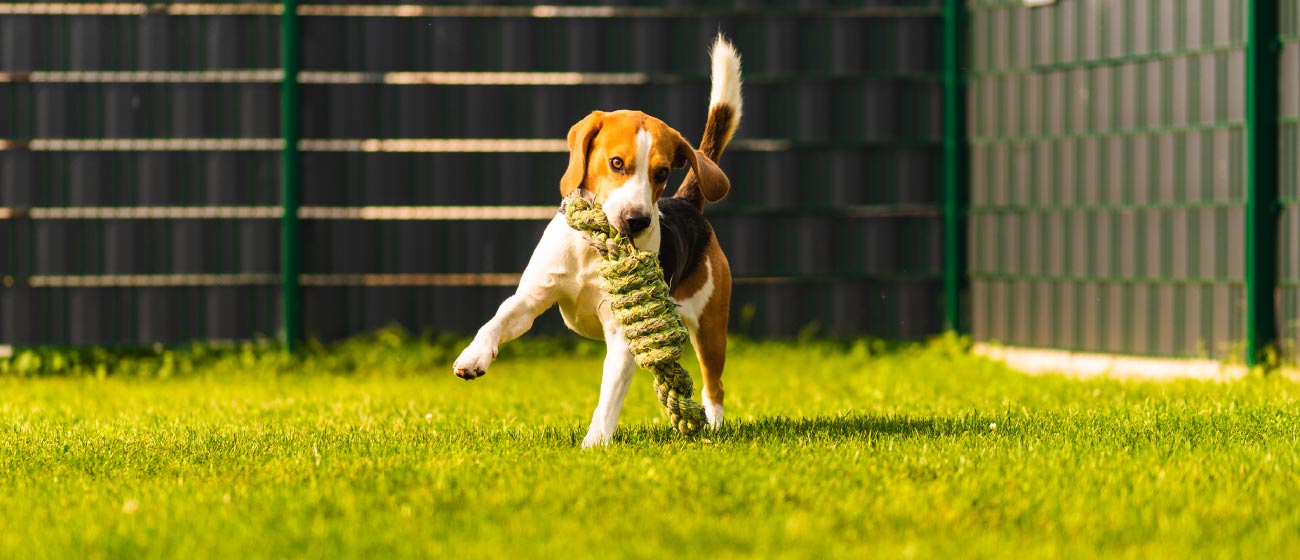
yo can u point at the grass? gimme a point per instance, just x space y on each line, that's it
372 448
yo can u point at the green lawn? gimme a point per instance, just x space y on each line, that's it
831 450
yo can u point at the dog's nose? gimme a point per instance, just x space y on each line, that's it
636 223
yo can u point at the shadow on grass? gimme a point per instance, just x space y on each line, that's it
851 427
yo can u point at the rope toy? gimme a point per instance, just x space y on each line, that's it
635 288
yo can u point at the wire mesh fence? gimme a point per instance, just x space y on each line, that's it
1289 177
1107 175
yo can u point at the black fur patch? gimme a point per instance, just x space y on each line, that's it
684 235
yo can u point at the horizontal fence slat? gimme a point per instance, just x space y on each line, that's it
411 145
143 213
145 76
399 213
139 9
975 74
273 76
143 144
546 11
143 280
429 213
381 279
1104 207
418 10
1131 280
1100 134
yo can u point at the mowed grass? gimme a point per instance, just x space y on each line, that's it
373 449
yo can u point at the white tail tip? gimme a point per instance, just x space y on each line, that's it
725 76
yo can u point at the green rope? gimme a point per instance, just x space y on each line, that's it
635 288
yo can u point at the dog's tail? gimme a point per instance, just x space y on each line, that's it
725 107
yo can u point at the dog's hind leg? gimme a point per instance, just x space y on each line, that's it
709 335
710 342
619 370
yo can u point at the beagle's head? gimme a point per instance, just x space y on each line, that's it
623 158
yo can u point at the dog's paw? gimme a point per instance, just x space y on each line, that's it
713 411
596 438
469 374
473 362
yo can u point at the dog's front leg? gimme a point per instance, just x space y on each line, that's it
539 288
513 318
617 377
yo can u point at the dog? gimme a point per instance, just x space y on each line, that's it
622 160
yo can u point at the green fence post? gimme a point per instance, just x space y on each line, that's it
290 176
954 165
1261 177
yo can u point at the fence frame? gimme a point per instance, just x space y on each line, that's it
1262 205
290 176
955 187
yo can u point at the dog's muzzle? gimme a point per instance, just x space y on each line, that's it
633 223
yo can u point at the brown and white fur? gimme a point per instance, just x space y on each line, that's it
622 159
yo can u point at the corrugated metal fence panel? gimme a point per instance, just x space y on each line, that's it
86 108
857 99
1289 178
833 219
1107 180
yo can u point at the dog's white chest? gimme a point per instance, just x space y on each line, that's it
576 273
564 264
586 312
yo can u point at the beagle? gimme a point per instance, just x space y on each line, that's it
622 159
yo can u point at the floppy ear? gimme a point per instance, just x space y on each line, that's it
580 136
713 183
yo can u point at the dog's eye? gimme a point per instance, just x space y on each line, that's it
616 163
661 175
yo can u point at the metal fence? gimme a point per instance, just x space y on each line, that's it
1117 177
1289 176
1121 177
140 164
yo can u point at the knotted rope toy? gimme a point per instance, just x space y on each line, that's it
638 295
